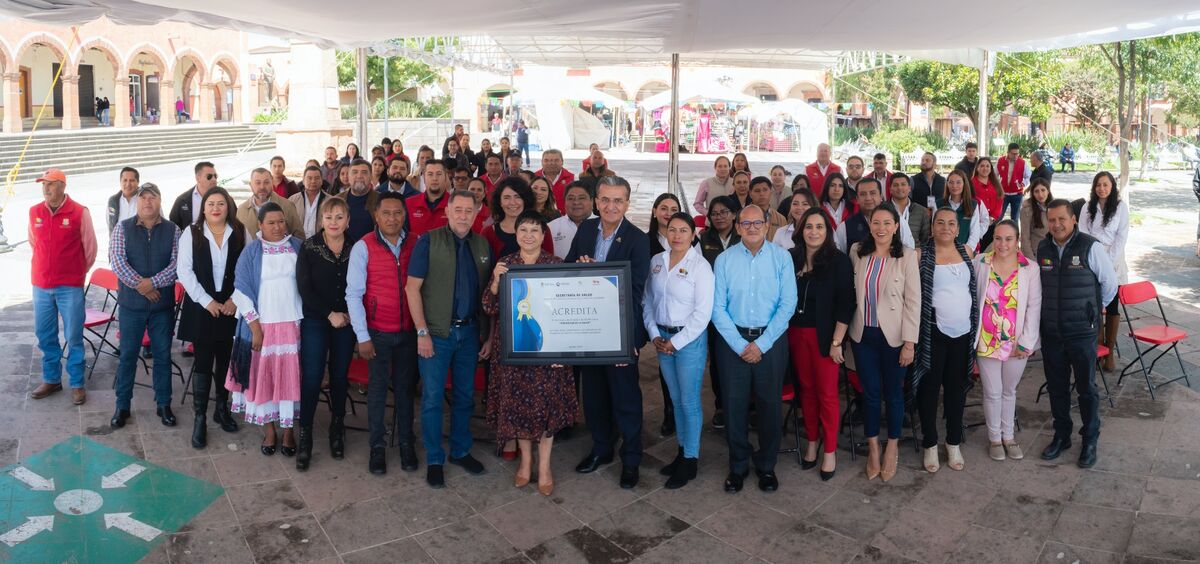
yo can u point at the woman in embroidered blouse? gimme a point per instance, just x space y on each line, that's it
527 403
208 253
1033 216
264 373
1106 217
328 340
887 284
970 213
677 308
948 319
1009 294
834 201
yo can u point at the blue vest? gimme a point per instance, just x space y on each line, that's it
1070 290
148 252
857 229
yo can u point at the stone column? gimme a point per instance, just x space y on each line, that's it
236 114
205 110
70 101
314 121
166 102
12 102
120 104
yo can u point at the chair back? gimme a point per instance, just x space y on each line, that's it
104 278
1136 292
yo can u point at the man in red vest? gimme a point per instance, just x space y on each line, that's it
1014 175
379 314
427 211
821 169
64 249
559 177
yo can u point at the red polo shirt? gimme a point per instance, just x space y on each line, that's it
559 188
422 218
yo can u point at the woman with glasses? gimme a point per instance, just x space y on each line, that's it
716 237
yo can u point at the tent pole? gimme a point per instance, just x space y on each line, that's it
360 86
673 172
982 133
386 100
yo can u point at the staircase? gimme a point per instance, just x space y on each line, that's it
107 149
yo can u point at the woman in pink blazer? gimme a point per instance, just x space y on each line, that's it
1009 292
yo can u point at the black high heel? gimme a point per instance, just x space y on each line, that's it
826 476
288 451
269 450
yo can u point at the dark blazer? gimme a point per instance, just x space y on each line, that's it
181 210
1045 171
114 211
922 190
833 287
630 244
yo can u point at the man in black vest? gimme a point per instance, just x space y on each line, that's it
1077 281
612 392
186 209
855 228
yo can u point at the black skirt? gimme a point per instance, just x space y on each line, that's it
196 324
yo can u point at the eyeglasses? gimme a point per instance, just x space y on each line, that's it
721 213
756 224
210 176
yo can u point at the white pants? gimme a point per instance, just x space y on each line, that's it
1000 379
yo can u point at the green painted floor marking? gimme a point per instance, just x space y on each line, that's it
81 501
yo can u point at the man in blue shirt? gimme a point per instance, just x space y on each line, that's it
754 297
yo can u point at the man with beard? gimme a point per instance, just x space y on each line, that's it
361 200
397 172
928 187
261 192
427 211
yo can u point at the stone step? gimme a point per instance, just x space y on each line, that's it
117 139
87 150
31 169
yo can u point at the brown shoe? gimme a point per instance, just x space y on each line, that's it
45 390
78 396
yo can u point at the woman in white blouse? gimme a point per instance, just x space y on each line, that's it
802 200
970 213
1106 217
208 252
677 307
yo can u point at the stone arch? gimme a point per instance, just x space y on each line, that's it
6 57
613 87
40 38
762 90
650 88
197 59
226 61
152 50
803 90
106 48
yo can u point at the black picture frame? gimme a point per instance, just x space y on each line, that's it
620 269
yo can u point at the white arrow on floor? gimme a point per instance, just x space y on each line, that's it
32 480
130 525
117 479
28 529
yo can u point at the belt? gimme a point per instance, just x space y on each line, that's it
462 322
670 329
751 333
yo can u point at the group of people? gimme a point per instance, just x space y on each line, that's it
278 295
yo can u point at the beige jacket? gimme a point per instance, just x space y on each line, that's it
898 307
249 216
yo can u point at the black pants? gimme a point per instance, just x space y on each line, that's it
323 347
714 370
948 371
613 393
764 382
211 360
395 366
1062 358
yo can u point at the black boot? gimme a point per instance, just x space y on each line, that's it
303 447
200 387
221 415
670 468
683 473
337 437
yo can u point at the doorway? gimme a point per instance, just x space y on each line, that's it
135 93
87 92
26 103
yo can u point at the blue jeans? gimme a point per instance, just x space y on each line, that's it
1012 203
48 305
457 353
684 374
134 324
322 346
879 371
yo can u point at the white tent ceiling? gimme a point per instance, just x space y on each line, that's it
803 33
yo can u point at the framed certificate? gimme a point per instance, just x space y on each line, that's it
577 314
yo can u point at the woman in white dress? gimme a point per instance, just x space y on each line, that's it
1106 217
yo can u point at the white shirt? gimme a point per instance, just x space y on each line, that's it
906 236
278 297
310 215
196 198
1112 236
952 298
679 297
125 208
185 264
783 236
563 230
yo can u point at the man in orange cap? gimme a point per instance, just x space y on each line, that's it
64 248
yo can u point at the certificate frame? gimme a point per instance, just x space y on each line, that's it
621 270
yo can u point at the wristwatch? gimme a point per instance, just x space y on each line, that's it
423 332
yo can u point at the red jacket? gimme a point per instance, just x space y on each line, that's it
385 300
885 183
1017 184
987 195
423 219
559 189
63 243
816 180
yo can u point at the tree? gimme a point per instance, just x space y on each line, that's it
402 72
1024 81
1122 55
876 86
1086 93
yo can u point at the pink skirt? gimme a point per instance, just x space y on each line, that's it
274 391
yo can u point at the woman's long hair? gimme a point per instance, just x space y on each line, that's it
1038 221
896 248
653 218
1110 203
239 230
993 178
968 192
808 196
549 208
825 253
825 189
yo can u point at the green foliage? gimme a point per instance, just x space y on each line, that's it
274 116
934 141
848 134
1024 81
402 109
402 72
898 141
1087 139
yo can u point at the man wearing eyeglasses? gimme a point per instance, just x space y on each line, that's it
611 393
186 209
754 297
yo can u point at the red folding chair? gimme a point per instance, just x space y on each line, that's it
1101 352
99 321
1155 335
792 399
700 221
